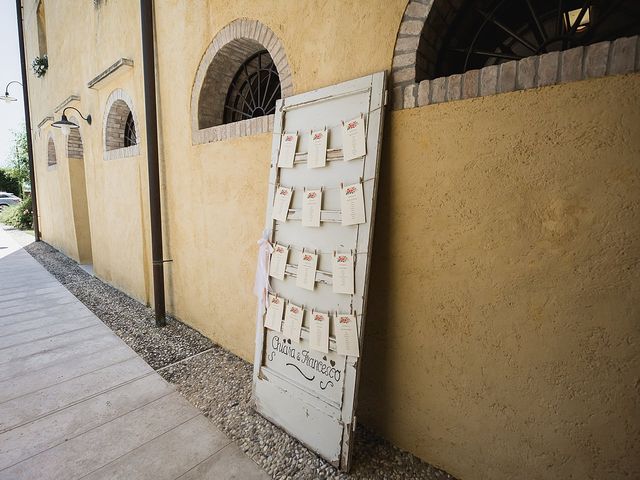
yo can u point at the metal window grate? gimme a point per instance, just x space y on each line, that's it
254 90
130 131
489 32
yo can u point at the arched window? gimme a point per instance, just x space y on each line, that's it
457 49
254 89
241 76
120 127
487 32
51 153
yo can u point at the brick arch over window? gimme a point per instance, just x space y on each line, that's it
118 110
52 159
75 148
424 28
234 44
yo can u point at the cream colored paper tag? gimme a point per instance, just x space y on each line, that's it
311 206
343 279
346 330
319 332
273 318
354 143
287 155
278 263
306 274
317 156
352 204
281 203
292 322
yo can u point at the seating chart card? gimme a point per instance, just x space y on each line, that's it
317 156
311 204
275 308
353 139
287 154
278 262
346 335
342 273
319 226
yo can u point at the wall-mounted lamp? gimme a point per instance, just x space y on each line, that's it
67 125
6 97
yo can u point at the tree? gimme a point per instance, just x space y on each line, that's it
19 158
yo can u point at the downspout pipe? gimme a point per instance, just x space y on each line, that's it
151 121
27 120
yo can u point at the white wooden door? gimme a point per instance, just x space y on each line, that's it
310 394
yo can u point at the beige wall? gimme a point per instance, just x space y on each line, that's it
503 328
503 334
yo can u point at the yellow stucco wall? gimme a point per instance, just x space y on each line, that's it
503 329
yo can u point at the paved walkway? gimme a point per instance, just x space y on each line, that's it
77 402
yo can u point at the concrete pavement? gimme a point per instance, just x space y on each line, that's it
77 402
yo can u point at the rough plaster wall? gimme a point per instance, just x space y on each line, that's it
116 190
503 333
216 193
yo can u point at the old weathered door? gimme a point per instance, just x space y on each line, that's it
309 393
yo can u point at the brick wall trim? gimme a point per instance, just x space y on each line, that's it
116 110
228 50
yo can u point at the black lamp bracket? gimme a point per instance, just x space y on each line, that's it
6 89
87 118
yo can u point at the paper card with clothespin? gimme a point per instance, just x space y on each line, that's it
345 328
311 207
319 332
287 155
278 263
273 318
352 204
317 155
343 278
292 324
354 142
306 273
281 203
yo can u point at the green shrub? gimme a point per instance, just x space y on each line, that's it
8 183
19 215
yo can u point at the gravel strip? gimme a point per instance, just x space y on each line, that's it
219 384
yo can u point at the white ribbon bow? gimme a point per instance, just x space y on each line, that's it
261 286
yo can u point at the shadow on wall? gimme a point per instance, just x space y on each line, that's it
375 383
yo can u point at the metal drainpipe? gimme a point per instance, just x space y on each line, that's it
151 121
27 120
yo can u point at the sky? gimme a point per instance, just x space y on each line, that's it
11 114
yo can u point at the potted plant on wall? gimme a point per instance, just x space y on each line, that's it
40 65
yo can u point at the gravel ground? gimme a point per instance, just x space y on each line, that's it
219 383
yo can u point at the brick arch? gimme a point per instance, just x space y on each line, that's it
118 106
229 49
52 158
407 65
75 148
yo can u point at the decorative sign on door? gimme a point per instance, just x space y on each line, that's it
320 215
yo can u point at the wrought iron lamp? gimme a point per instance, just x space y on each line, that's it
6 97
66 125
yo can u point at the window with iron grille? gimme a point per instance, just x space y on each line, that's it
480 33
254 90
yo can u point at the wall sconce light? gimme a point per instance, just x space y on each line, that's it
6 97
67 125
